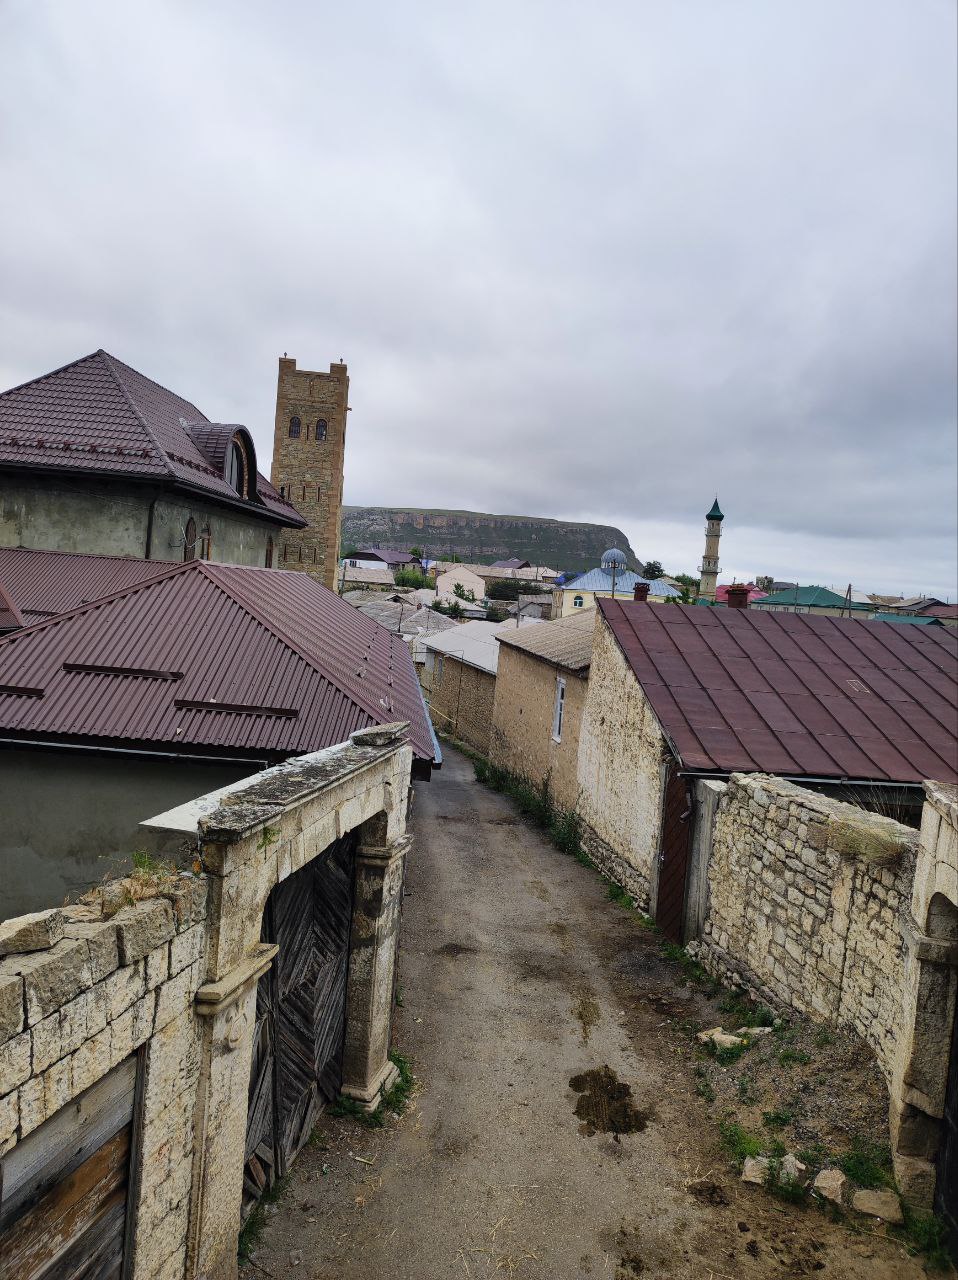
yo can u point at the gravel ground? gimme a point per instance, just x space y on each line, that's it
555 1130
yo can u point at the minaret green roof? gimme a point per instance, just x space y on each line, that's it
716 512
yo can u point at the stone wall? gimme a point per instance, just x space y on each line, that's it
619 771
807 905
461 701
310 471
103 519
72 1012
174 977
521 738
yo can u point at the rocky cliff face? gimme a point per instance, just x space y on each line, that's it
473 535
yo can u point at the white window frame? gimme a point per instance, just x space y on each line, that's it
577 602
558 711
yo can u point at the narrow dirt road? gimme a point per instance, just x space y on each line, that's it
532 1010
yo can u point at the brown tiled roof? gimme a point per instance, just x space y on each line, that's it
566 642
97 415
47 582
216 658
796 694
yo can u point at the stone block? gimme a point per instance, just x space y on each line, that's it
187 948
9 1120
755 1170
830 1184
90 1060
11 1004
14 1062
52 978
101 939
879 1204
122 989
35 932
142 928
32 1113
158 966
57 1086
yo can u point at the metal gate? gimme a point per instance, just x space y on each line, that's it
946 1188
65 1188
674 855
300 1014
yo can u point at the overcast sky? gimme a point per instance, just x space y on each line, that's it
588 261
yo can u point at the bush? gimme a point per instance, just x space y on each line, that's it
514 588
413 579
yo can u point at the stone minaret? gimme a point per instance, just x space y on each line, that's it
710 563
309 446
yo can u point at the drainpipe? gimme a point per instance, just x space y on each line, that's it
149 528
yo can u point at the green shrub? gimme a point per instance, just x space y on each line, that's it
738 1143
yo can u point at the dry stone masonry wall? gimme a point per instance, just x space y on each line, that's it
807 905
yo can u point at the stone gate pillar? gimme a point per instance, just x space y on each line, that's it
367 1070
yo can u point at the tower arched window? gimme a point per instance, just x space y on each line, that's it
577 602
189 540
320 430
295 428
206 543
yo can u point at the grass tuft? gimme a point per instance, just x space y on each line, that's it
253 1227
738 1143
925 1234
868 1163
394 1101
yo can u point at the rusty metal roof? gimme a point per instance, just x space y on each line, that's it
796 694
210 657
98 415
42 583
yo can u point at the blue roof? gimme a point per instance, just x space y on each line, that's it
599 580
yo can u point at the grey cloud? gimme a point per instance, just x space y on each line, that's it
594 262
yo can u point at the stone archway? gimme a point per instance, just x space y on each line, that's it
920 1087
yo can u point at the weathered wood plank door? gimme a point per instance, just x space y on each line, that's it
674 855
946 1188
300 1013
65 1188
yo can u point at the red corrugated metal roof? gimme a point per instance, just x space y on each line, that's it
42 583
99 415
232 659
10 615
796 694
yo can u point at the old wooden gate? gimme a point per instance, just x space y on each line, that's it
946 1188
64 1190
674 855
300 1013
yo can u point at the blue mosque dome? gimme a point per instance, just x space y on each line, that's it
613 559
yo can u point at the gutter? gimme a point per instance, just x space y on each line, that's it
799 778
42 745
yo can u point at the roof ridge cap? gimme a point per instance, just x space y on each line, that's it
158 448
153 382
52 373
132 587
280 632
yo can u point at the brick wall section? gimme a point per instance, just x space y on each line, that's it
70 1014
310 472
521 737
807 904
461 702
621 748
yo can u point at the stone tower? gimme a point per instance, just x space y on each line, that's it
710 562
309 446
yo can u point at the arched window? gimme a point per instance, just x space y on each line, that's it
189 540
577 602
206 543
295 428
269 553
321 430
236 476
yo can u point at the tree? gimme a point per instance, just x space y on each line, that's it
652 569
453 610
412 578
459 590
416 552
513 588
764 583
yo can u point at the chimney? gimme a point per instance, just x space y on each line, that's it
641 591
737 597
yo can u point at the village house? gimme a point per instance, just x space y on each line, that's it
814 600
185 678
540 693
382 557
96 457
460 673
364 579
612 577
465 579
502 571
735 772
